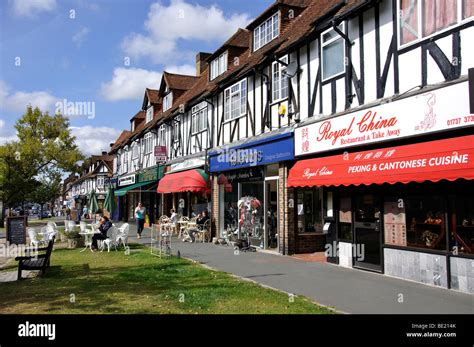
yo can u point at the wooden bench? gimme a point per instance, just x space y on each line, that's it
36 262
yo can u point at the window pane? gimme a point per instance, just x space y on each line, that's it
462 235
275 26
243 97
333 59
425 222
331 34
468 9
408 21
438 15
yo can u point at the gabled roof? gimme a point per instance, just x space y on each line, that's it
273 7
153 96
120 140
176 81
240 39
139 115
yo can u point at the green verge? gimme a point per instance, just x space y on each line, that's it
116 283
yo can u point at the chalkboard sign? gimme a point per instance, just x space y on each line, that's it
16 230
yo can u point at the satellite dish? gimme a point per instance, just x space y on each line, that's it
292 69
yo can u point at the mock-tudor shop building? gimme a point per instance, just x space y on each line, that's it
391 185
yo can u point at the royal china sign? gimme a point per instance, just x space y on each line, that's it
437 110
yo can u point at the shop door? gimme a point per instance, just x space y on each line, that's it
367 233
271 214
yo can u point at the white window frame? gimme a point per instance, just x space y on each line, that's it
199 118
162 135
176 125
149 114
135 150
125 162
329 42
278 76
148 140
421 38
219 66
265 32
167 101
229 93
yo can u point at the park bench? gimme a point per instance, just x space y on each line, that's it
39 261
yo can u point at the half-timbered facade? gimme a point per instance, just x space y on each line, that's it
306 82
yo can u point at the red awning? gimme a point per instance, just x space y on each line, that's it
186 181
429 161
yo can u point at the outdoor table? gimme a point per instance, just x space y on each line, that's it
183 224
88 244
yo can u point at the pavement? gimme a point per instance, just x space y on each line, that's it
346 290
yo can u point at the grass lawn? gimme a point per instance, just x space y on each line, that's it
141 283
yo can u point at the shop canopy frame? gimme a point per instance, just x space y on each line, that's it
128 189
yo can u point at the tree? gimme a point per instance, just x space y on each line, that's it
48 188
45 144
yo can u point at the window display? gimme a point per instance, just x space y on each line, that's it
426 226
310 210
345 217
462 234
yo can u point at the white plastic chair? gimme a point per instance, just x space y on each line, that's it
122 236
111 240
33 235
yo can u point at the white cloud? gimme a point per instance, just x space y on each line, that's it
93 140
129 84
166 25
182 69
5 135
30 8
19 100
80 36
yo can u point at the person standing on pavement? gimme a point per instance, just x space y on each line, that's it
140 217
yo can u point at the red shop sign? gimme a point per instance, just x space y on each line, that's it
449 159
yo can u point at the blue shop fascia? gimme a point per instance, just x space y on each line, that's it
248 178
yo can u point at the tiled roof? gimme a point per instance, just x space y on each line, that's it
139 115
240 39
153 96
179 82
120 140
274 6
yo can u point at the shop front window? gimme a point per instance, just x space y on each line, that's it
251 213
310 210
462 235
426 224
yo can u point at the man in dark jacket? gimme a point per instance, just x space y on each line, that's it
105 225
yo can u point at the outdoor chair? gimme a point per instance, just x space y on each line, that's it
111 240
33 235
204 231
36 261
122 236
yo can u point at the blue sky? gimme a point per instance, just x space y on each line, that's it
103 53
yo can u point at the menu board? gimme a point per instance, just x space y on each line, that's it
395 225
345 214
16 230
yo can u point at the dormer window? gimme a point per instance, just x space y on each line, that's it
219 65
266 32
167 101
149 114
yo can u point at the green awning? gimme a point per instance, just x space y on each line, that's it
123 191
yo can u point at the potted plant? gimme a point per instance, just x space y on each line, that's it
428 237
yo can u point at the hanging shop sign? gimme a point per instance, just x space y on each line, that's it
153 174
160 153
259 152
126 180
425 113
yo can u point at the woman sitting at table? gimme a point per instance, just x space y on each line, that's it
105 225
202 218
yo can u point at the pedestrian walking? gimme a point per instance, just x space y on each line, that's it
140 217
